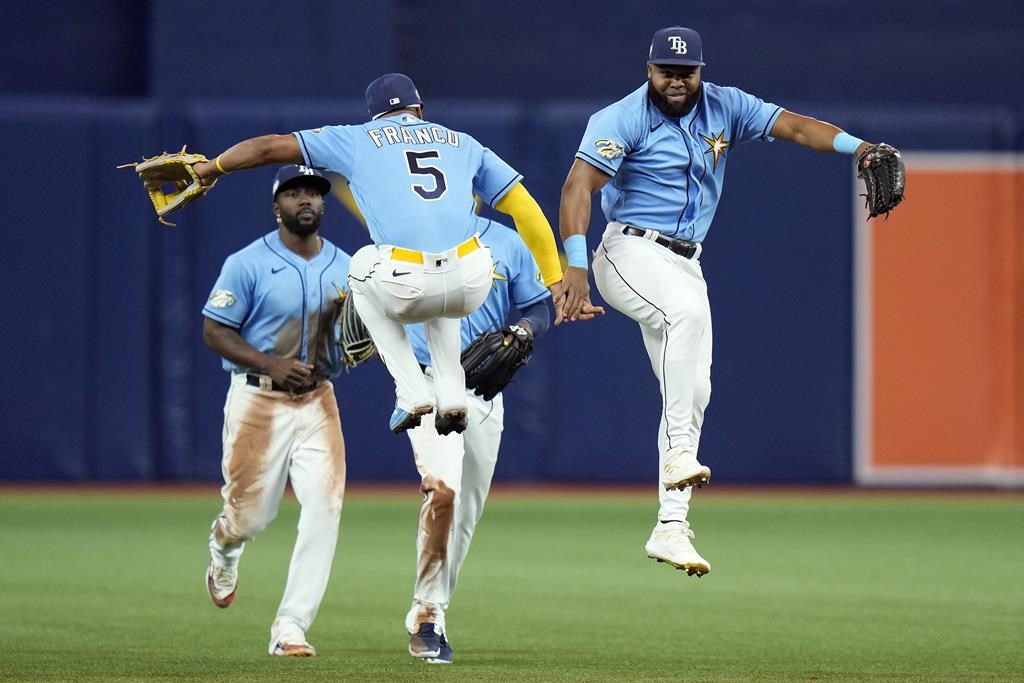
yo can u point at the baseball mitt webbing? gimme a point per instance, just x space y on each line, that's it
493 357
881 167
354 339
171 181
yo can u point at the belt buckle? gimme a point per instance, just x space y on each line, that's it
266 383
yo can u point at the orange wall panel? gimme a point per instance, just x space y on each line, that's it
947 323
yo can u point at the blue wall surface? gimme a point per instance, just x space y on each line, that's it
107 375
871 51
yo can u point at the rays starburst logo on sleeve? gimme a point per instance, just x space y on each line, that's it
716 146
609 149
222 298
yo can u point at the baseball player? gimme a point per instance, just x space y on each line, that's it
272 316
414 181
658 157
456 470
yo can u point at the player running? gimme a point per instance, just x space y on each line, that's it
658 157
456 470
414 182
271 316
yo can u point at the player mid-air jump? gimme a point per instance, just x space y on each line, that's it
658 157
414 182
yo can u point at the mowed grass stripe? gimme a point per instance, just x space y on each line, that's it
557 588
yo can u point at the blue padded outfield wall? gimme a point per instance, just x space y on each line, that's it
106 374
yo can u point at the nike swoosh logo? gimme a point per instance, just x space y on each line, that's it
275 271
395 273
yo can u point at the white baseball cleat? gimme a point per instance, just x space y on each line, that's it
221 584
291 642
682 469
670 543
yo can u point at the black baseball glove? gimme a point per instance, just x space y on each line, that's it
492 359
881 167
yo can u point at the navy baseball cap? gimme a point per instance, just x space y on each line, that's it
391 92
294 174
676 45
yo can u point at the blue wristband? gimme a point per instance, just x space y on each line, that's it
576 251
845 143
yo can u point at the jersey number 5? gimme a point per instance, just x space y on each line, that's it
415 168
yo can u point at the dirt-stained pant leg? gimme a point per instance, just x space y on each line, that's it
439 461
317 472
470 460
666 294
481 442
256 439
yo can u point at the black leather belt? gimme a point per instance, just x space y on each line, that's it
682 247
254 381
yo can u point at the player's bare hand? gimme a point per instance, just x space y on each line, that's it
574 296
207 172
557 290
290 374
589 311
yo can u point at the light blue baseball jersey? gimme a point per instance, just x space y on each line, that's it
667 173
414 180
516 283
282 304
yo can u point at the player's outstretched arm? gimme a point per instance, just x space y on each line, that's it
535 230
818 135
252 153
574 218
880 166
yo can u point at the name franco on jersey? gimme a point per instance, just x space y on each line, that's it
395 135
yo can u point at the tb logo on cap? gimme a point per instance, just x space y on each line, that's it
677 45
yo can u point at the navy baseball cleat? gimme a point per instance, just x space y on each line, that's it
449 421
444 656
426 643
403 420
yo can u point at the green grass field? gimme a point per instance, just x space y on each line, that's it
109 587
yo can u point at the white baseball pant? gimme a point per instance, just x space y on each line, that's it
666 294
393 286
271 437
456 472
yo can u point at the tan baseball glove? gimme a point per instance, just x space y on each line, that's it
171 181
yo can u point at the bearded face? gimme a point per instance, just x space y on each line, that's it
300 209
673 89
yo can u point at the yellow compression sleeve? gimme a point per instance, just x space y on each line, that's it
341 190
535 230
